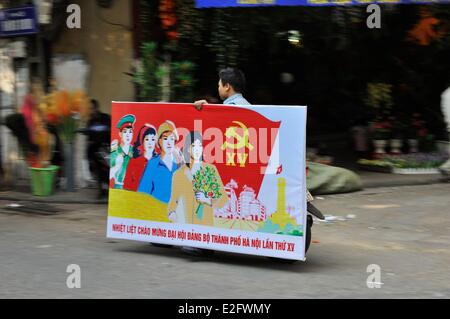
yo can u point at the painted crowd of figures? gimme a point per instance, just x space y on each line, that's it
191 188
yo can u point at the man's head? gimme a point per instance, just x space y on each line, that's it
95 107
231 81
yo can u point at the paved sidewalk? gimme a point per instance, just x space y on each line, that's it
80 196
89 195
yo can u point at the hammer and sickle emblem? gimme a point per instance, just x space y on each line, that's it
242 140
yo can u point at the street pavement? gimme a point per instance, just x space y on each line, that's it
402 231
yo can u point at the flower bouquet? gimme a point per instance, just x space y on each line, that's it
65 110
206 182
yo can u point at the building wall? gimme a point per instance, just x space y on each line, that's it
107 48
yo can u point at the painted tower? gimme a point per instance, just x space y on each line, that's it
281 202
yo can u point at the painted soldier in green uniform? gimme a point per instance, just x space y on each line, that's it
122 152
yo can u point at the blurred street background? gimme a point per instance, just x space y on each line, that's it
378 147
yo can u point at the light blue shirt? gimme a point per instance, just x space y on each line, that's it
236 99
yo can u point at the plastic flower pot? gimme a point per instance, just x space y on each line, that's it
413 145
380 146
396 145
43 180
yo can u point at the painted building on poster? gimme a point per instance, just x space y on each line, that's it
245 206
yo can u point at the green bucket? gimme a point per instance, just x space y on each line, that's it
43 180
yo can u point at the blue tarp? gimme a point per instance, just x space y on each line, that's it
259 3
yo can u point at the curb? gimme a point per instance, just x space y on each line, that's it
36 199
378 184
77 200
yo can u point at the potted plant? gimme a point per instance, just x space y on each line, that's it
379 100
396 142
29 127
381 134
416 130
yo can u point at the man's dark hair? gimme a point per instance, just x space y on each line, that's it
234 77
95 104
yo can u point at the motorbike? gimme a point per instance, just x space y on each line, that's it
99 154
312 211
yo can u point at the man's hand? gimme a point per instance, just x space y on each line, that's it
199 104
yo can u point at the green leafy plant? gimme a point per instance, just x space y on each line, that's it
379 163
182 81
381 130
418 160
156 68
149 77
379 98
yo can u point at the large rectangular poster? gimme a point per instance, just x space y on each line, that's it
228 178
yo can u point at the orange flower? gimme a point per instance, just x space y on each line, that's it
77 99
426 30
52 118
62 101
80 104
172 35
168 17
33 160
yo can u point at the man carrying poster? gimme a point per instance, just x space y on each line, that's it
230 87
239 186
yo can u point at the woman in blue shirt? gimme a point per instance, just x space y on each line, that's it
157 177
